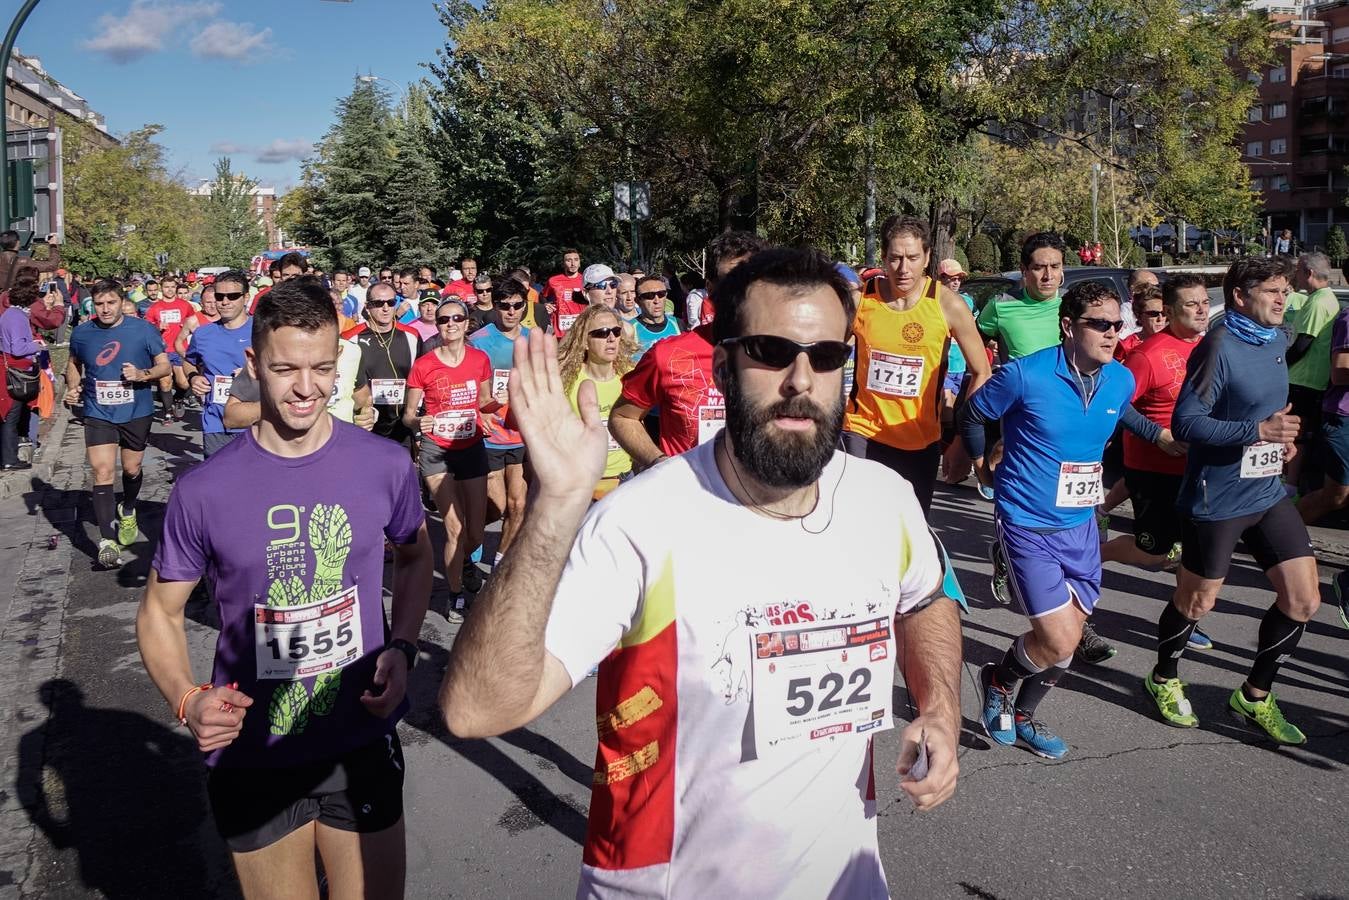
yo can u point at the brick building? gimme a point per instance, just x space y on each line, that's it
264 204
1296 140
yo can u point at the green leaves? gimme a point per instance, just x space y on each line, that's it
288 711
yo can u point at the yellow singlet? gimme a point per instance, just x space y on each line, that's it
901 360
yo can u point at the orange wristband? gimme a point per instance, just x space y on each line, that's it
182 704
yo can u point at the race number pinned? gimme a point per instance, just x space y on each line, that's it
220 388
170 316
1079 484
387 391
821 681
566 320
500 378
1261 460
895 375
293 642
455 424
711 419
113 393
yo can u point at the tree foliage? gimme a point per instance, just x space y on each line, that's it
235 231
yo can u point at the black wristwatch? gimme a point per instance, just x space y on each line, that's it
409 650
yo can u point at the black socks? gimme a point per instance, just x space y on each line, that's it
1279 636
105 512
1173 633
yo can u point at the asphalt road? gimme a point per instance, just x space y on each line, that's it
103 794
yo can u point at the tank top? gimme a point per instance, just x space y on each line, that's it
901 360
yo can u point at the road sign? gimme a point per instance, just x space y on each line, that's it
628 194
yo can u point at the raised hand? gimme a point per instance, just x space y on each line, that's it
567 451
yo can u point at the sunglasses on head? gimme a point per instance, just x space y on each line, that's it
1104 326
519 304
228 296
780 352
377 304
456 318
615 331
606 283
653 295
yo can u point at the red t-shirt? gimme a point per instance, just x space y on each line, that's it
1127 345
253 304
568 293
451 395
461 289
676 375
168 316
1158 366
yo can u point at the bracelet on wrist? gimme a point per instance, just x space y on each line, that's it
182 704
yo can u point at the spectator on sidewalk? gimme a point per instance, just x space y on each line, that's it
19 351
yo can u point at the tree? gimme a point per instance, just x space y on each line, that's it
123 208
1337 248
235 231
983 254
413 191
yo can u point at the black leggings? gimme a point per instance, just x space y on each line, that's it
918 467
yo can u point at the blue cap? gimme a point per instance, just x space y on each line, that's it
847 272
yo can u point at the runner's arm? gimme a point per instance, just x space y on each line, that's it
1339 367
159 369
1139 425
240 414
184 334
413 573
928 646
363 409
413 402
1299 348
1193 421
627 427
74 380
965 332
988 404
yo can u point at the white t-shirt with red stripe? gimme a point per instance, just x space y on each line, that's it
738 679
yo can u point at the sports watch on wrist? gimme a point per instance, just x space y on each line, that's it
409 650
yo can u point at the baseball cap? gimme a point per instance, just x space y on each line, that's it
950 267
848 274
191 277
455 275
363 272
595 273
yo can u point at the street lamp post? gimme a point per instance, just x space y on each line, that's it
10 37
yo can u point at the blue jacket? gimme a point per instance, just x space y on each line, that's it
1230 388
1047 421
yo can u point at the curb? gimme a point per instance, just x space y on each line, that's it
13 484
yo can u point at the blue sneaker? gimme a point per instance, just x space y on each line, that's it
1342 595
1038 737
1199 641
985 491
998 715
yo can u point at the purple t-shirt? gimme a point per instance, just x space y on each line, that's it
1336 399
294 551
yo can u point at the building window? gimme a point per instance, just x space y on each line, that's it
1278 183
1278 110
1253 114
1340 72
1340 35
1255 148
1278 74
1278 147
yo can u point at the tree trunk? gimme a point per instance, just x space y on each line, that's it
942 222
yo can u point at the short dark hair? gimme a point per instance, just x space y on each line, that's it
567 250
896 226
151 281
1141 296
293 259
1177 283
731 245
652 276
1082 295
302 303
472 259
407 273
341 272
787 267
506 288
1039 241
274 267
9 239
107 286
238 276
1249 271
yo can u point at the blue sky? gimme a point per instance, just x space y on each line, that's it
256 81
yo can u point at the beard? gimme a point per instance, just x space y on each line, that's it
776 458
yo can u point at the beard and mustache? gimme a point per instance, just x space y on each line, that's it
776 458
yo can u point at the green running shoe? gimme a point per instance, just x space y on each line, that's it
1169 696
127 529
1268 716
109 553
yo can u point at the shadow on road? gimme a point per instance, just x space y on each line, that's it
127 795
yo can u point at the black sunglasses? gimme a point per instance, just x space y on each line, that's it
376 304
653 295
1104 326
615 331
485 290
445 320
1155 313
228 296
780 352
519 304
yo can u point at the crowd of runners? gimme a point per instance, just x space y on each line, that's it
669 468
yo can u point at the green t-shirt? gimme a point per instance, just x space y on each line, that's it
1021 325
1315 318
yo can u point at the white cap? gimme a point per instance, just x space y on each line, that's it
363 272
455 275
595 273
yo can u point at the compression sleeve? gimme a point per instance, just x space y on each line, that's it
988 404
1139 425
1193 421
1299 348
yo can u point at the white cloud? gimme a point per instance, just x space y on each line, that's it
237 41
278 151
144 28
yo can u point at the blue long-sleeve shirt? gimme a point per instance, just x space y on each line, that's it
1230 388
1047 420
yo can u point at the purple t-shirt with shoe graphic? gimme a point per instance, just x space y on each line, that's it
293 550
